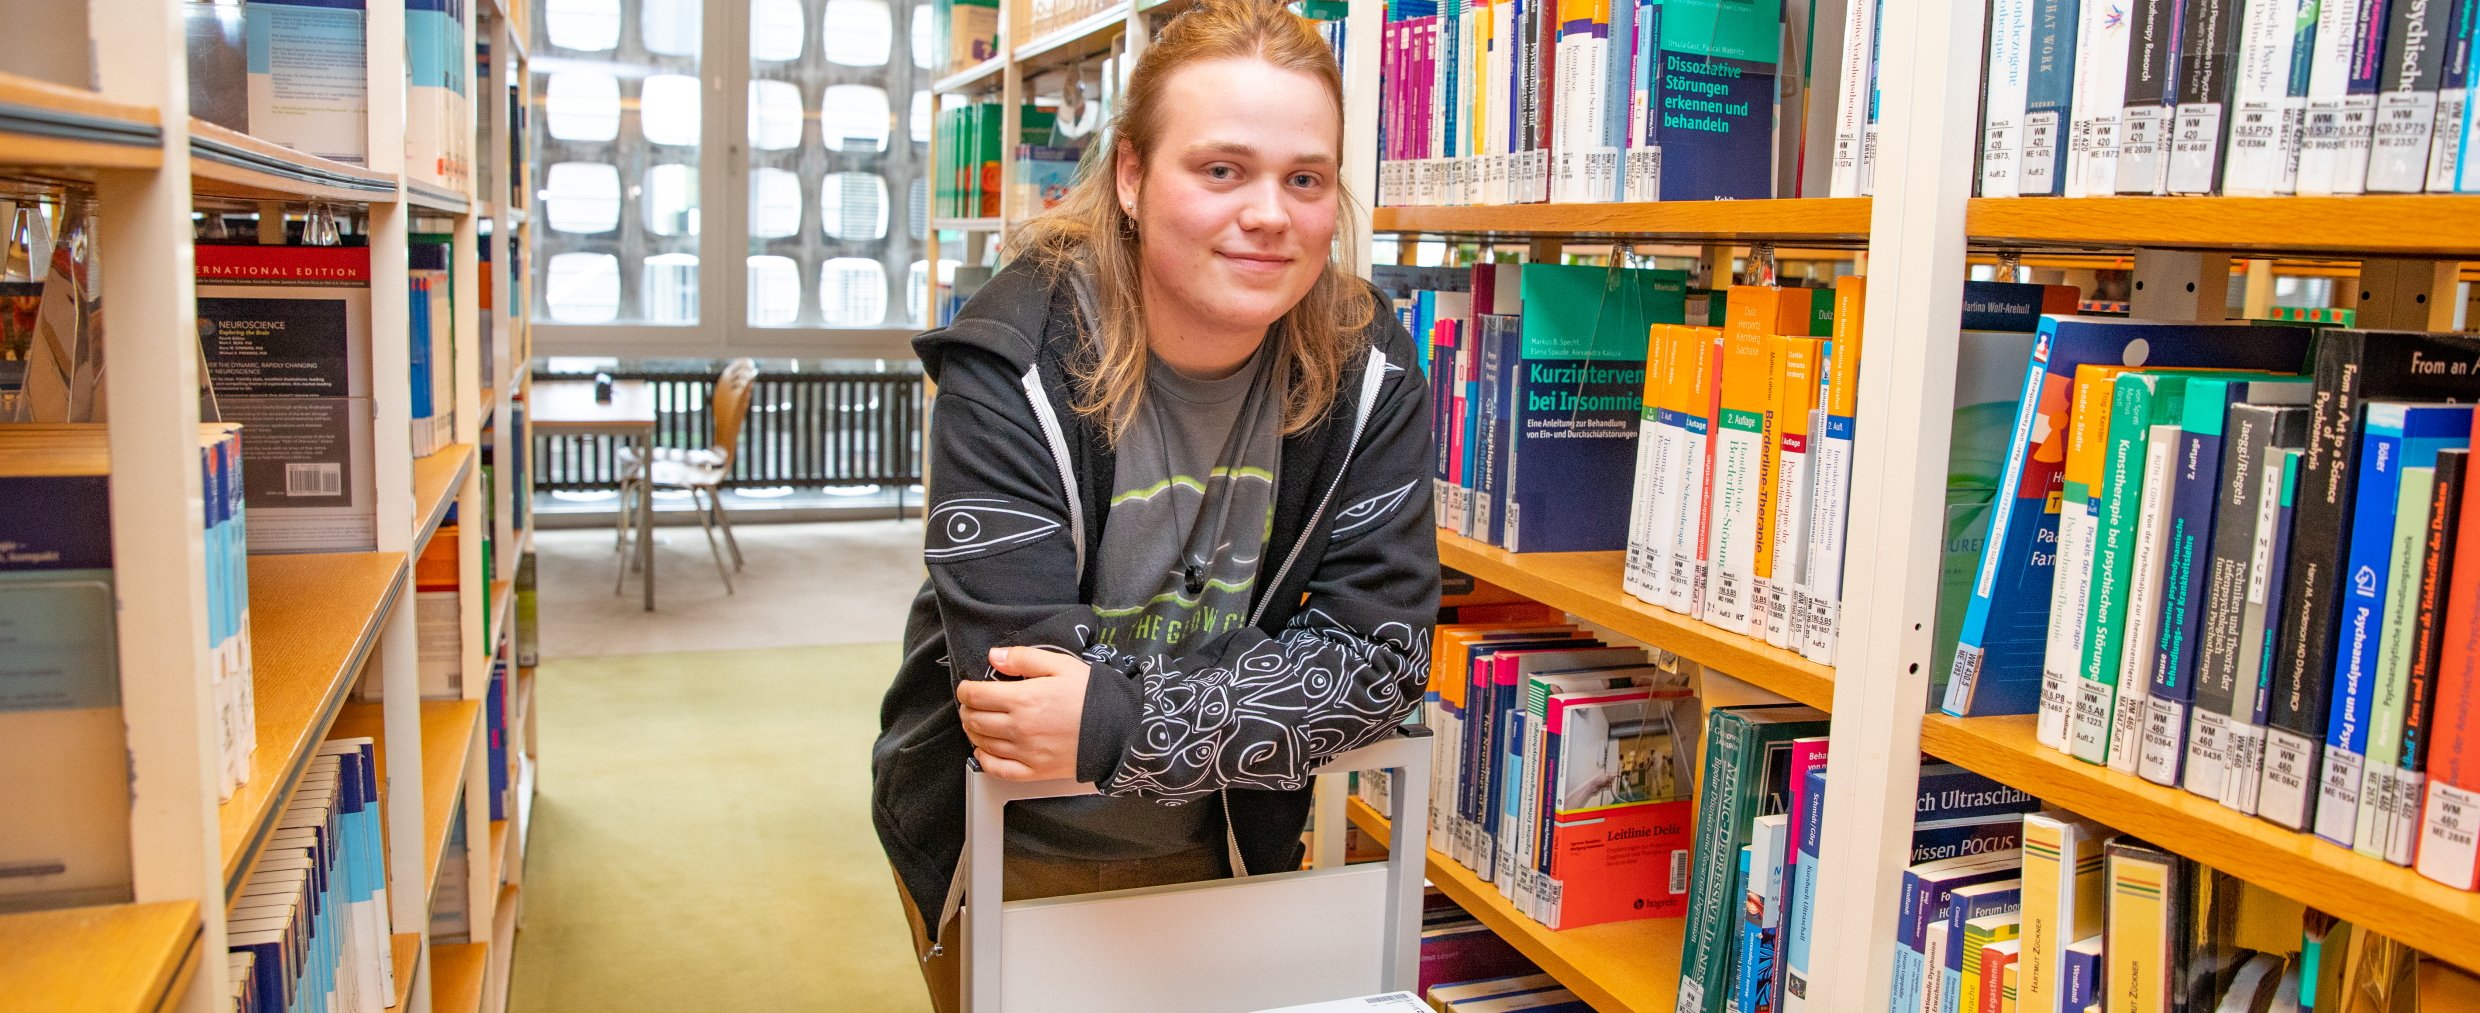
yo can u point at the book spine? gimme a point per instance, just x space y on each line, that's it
1738 428
1819 603
1851 109
2208 66
2302 675
2366 567
2449 849
2329 76
1686 590
1643 557
1643 169
2138 941
2406 100
1705 949
2100 98
2258 119
2003 97
2131 712
2427 652
2237 485
1551 99
2049 102
1501 337
2355 127
1800 917
2195 473
1791 505
2106 625
2453 79
2380 782
1669 466
2252 705
2149 93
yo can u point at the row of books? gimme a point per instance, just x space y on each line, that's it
2246 582
1524 101
293 72
970 147
2246 97
66 777
1563 766
1577 411
310 929
431 341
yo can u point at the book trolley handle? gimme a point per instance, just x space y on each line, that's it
1263 941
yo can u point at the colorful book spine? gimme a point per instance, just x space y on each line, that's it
1739 428
1817 602
1999 980
2380 783
1642 169
2449 849
2352 367
2356 126
1648 557
2110 700
2001 650
2429 634
1693 397
2208 73
2150 96
1782 534
2329 77
1747 754
2254 437
1760 916
2006 75
2406 110
2049 96
2273 36
1987 943
2086 973
2397 436
2267 582
2062 898
1800 922
2062 654
1851 112
1975 915
1807 783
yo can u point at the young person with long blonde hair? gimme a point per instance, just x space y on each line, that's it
1179 537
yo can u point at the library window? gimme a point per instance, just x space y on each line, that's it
832 100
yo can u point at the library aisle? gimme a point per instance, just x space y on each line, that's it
671 745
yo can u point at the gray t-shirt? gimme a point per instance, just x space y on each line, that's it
1192 502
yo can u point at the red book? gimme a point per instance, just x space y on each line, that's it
2450 818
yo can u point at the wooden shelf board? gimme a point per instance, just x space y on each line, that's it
407 951
2372 224
228 163
1619 967
447 745
436 480
45 125
977 77
1588 585
1843 219
1079 38
313 619
499 847
457 971
107 958
2429 916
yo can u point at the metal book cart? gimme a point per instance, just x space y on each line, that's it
1279 939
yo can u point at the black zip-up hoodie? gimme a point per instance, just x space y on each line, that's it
1335 654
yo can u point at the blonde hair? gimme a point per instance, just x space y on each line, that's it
1318 338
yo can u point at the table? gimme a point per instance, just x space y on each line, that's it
568 407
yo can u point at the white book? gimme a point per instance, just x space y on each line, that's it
2004 96
2100 100
2329 76
2062 657
1829 503
2131 710
1731 530
1502 81
2258 147
1851 109
1649 541
1791 492
2445 141
1686 589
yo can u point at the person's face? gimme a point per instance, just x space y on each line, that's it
1237 205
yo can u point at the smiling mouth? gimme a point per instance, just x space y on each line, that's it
1255 262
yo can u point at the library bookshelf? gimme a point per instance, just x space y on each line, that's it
334 639
1617 967
1917 237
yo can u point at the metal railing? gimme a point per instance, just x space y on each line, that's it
805 430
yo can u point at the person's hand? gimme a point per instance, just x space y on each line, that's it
1027 730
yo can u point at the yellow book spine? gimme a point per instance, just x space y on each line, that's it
2137 943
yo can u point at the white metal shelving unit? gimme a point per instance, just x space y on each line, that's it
321 619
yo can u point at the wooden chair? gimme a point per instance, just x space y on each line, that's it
700 471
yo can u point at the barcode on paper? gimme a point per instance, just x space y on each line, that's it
314 480
1679 871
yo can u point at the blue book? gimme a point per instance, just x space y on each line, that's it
1979 900
1949 792
1973 835
1578 392
2398 435
1799 911
1998 654
1927 890
2049 97
1501 341
2083 972
1719 59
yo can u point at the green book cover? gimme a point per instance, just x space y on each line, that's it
2137 402
1747 775
2385 721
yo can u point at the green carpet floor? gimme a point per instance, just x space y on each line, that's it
701 838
